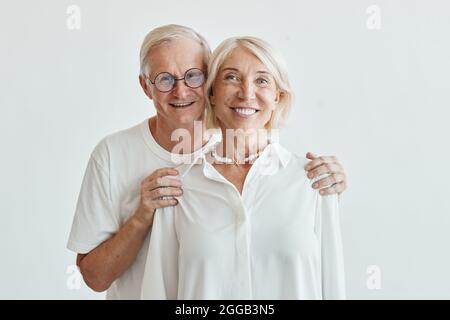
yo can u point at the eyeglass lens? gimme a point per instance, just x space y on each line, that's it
193 78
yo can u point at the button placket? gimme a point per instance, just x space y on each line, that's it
243 276
242 240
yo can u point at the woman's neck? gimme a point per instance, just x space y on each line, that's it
240 144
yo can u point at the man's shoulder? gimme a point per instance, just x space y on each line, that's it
125 135
117 142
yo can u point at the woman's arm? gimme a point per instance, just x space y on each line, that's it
332 257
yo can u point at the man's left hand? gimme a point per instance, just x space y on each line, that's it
335 182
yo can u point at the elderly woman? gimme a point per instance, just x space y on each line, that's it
249 225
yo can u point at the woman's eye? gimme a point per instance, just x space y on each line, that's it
231 77
262 81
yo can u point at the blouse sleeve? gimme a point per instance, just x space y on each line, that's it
332 257
161 269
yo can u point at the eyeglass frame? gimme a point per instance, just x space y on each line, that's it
177 79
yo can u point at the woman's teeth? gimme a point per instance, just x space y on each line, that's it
245 111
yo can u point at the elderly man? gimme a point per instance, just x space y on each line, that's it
128 175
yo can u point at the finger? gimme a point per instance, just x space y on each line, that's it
341 187
329 180
336 188
162 182
163 192
310 156
319 161
325 168
165 203
163 172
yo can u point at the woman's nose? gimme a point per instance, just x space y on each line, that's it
247 91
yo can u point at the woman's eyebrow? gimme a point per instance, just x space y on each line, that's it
230 69
234 69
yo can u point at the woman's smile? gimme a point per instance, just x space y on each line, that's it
245 112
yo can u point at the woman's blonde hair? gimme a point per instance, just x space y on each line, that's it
169 33
273 62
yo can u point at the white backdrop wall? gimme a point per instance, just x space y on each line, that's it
372 86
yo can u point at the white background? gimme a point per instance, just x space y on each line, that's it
378 99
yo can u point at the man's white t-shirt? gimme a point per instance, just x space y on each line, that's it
110 194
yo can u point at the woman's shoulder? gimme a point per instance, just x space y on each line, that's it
296 167
299 161
294 175
289 158
292 165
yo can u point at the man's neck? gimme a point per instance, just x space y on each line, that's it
186 138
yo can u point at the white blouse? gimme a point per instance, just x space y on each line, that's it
278 240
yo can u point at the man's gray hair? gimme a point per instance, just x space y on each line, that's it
169 33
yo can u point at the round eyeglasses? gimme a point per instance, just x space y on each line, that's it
165 82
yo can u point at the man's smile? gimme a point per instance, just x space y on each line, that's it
182 104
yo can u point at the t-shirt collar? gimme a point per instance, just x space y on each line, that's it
176 159
269 162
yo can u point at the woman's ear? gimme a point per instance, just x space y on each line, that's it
278 96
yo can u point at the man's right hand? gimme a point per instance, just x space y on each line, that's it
153 188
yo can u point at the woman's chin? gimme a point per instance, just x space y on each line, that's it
247 128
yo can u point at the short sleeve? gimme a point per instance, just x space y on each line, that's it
95 220
332 257
160 280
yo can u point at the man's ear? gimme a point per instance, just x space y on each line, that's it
145 87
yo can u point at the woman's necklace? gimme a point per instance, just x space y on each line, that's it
233 161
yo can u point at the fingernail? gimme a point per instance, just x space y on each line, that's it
315 185
310 175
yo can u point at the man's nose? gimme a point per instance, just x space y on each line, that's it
180 89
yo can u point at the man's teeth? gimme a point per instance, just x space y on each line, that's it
245 111
180 105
